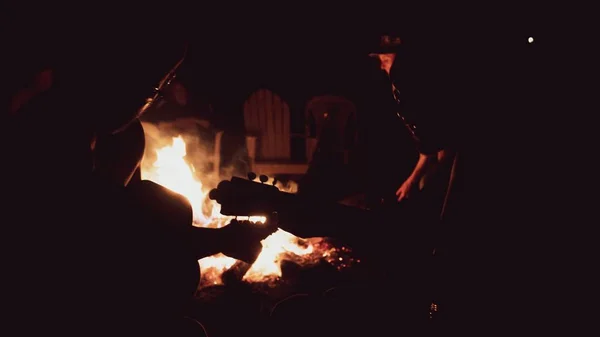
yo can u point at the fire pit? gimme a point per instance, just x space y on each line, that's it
234 297
250 304
166 163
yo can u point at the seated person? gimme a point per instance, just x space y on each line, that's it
119 260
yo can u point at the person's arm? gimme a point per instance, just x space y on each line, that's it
425 164
208 241
239 240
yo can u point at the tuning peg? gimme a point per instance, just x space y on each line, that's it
274 181
213 194
263 178
223 189
251 176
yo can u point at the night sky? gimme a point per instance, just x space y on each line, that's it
303 52
307 55
296 61
297 51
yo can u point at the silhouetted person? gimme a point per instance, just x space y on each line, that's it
403 281
329 175
117 157
170 273
89 256
418 108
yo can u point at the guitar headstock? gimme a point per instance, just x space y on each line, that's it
246 197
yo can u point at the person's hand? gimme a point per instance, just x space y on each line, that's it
406 189
242 239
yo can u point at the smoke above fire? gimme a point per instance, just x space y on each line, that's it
179 156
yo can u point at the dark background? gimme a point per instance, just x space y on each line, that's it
499 82
485 73
297 51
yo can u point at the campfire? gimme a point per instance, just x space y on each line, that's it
167 163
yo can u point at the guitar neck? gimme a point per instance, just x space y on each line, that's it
297 214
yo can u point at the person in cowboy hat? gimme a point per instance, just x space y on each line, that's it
405 287
416 76
420 72
412 77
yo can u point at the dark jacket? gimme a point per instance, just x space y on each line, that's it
425 105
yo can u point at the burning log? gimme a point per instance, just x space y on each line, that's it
234 275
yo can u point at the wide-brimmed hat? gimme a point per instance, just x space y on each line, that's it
388 44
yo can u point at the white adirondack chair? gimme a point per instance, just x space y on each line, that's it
268 140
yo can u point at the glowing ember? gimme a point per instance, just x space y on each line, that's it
173 170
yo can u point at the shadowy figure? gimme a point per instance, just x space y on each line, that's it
117 157
92 256
329 175
404 280
170 274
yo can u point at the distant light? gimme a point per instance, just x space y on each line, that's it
530 39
